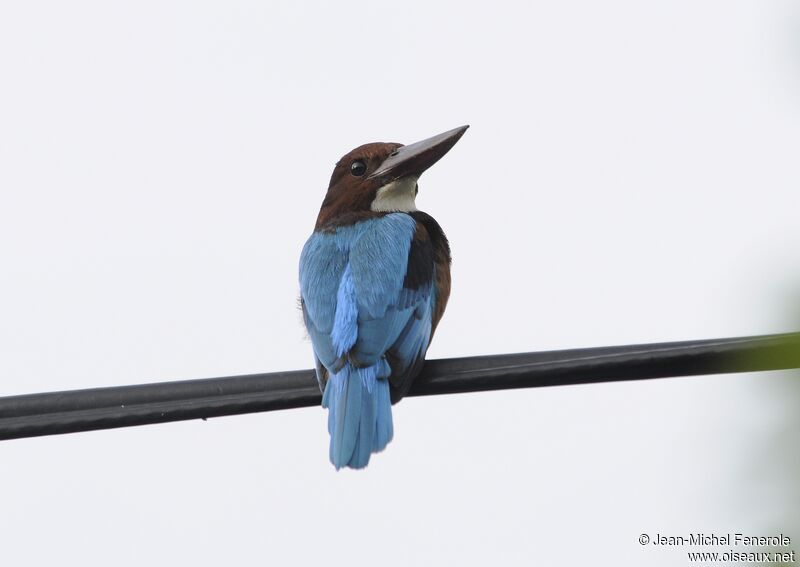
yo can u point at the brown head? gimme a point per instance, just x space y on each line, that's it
380 177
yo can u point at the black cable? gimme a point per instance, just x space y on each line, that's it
105 408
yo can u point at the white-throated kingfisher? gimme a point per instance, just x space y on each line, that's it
374 283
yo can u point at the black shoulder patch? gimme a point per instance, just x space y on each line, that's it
437 238
420 260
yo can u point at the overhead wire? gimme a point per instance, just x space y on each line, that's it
52 413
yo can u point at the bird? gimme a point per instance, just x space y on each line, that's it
374 284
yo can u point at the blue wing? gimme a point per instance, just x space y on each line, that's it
358 303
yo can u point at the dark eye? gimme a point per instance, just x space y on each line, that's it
358 168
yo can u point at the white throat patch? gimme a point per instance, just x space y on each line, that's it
397 195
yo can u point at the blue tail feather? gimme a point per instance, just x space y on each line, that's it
359 413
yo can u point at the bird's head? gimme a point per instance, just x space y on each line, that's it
381 177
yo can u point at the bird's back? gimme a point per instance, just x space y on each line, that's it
372 293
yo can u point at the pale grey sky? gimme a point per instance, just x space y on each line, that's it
631 175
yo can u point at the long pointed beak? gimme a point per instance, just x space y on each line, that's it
415 158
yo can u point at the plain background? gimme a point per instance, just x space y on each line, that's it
631 175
